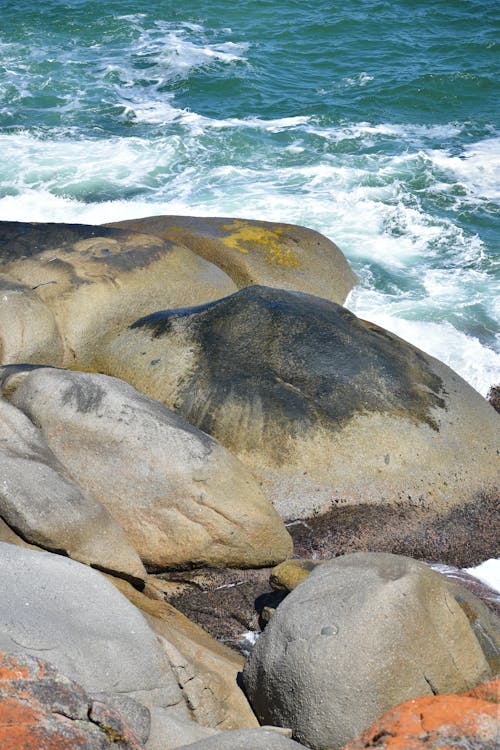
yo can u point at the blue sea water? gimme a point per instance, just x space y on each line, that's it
373 122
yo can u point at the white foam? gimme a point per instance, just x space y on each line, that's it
475 362
250 637
361 79
360 130
180 49
158 109
360 202
488 572
477 168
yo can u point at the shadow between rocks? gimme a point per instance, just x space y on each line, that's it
229 603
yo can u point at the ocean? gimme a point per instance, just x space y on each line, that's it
375 123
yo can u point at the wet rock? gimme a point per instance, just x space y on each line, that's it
459 536
228 604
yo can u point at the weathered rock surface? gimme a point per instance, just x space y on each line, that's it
84 626
258 252
42 709
462 535
449 722
180 497
327 662
207 670
39 499
246 739
482 618
325 408
230 604
494 397
94 281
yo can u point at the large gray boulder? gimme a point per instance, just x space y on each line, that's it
361 634
71 615
180 496
41 502
325 408
258 252
83 625
91 281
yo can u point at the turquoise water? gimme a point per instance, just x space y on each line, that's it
375 124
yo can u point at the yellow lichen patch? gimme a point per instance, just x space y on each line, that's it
243 237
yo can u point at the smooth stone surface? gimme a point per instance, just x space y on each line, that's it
258 252
482 619
170 733
28 330
246 739
93 279
326 409
180 497
40 501
361 634
77 619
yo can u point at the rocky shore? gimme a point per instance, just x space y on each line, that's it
185 404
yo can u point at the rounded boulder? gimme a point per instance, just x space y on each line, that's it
258 252
361 634
180 497
96 280
326 409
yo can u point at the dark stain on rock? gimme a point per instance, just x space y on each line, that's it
295 361
226 603
23 240
462 536
84 394
132 257
20 240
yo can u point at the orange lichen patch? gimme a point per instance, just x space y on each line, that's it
36 737
14 712
488 691
431 721
42 710
244 237
12 669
